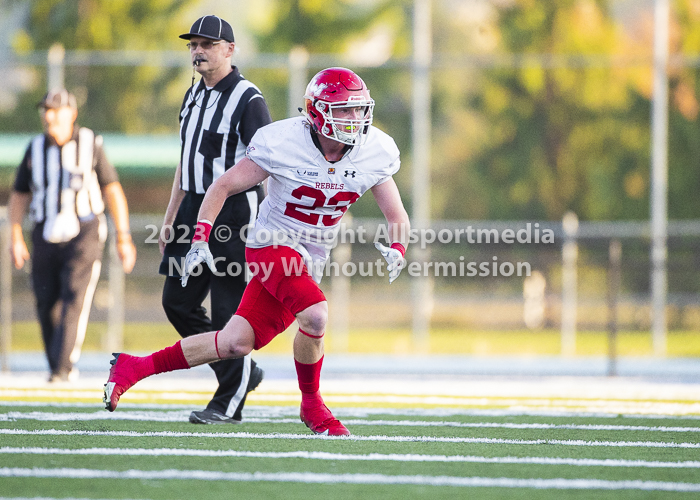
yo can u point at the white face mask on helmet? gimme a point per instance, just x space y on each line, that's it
331 92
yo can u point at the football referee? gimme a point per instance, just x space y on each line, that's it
218 118
65 179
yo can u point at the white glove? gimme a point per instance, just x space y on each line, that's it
199 252
394 259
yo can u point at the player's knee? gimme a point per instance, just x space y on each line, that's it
313 319
236 340
233 346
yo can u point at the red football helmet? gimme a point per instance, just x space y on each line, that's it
335 88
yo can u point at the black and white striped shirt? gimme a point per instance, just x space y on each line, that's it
65 181
216 126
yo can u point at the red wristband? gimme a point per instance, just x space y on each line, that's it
201 231
398 246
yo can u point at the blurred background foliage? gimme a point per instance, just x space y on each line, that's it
538 107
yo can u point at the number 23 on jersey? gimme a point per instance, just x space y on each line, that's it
303 212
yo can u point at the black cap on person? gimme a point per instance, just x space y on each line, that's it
212 27
58 98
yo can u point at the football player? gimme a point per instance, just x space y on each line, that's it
317 166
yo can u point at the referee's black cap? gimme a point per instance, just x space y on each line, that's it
57 99
212 27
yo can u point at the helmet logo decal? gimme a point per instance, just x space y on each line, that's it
315 88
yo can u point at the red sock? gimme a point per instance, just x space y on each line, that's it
309 376
169 359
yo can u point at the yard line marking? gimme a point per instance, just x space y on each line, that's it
497 425
412 399
293 410
142 416
179 416
91 394
320 455
401 439
541 403
320 478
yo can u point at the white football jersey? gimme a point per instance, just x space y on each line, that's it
307 195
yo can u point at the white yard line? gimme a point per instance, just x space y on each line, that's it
141 416
180 416
269 411
640 406
319 455
402 439
310 477
497 425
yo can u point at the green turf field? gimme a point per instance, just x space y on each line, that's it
73 450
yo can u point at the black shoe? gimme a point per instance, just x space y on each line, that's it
211 417
256 376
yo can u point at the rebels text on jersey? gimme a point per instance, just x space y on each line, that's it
307 195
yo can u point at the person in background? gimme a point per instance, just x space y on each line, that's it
65 179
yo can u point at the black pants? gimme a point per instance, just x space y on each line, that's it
183 306
64 277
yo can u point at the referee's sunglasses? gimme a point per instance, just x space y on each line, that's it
206 44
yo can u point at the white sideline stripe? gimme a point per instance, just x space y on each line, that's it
310 477
293 410
443 400
320 455
142 416
616 405
399 439
179 416
496 425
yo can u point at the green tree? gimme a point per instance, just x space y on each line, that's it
132 99
684 128
533 141
547 139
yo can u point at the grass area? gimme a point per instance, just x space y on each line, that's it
140 337
63 450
